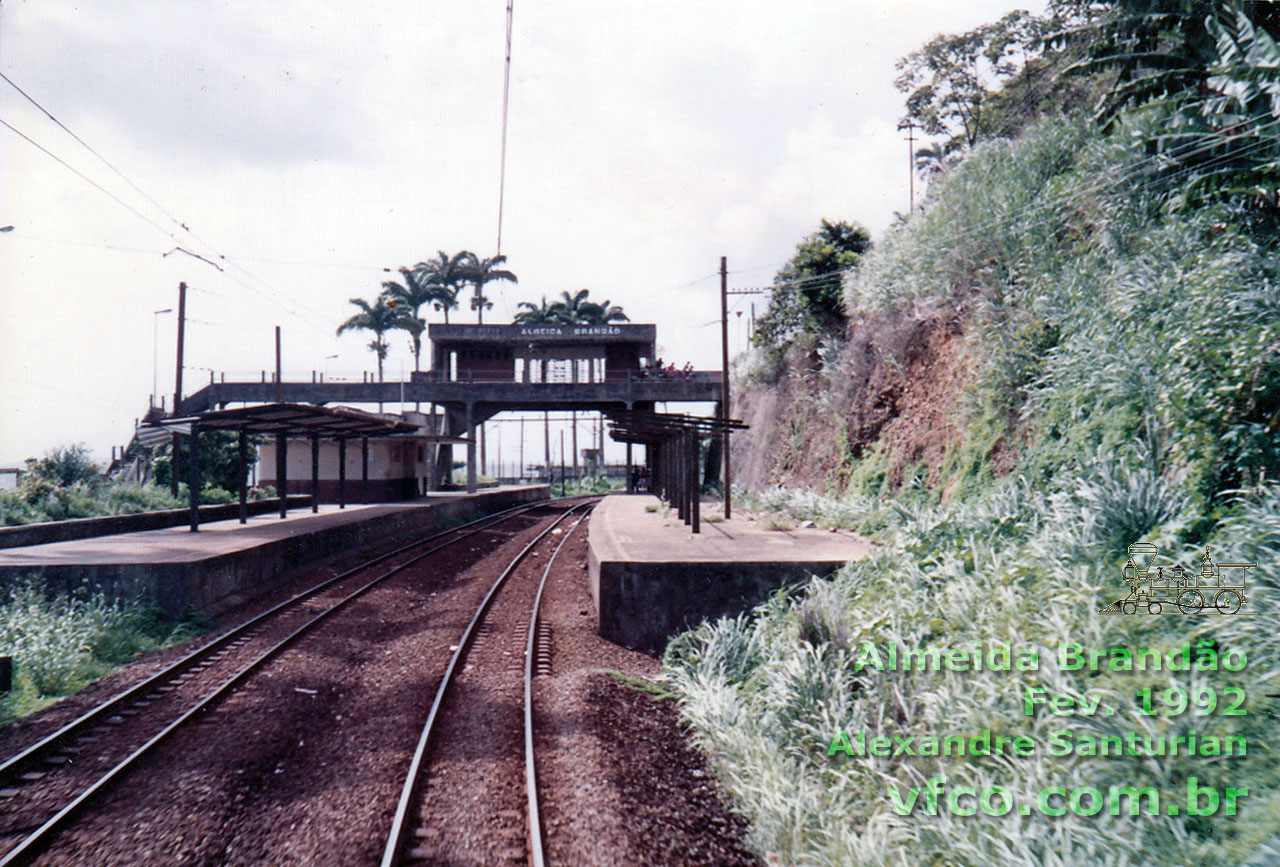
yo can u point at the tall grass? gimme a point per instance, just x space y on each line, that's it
61 643
1126 354
766 694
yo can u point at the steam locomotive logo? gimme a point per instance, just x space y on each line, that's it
1216 587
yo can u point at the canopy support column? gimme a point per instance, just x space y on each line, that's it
315 473
364 469
244 476
193 476
342 472
282 473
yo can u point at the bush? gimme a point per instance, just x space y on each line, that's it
60 643
1128 349
766 694
52 640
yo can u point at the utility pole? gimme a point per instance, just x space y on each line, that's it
177 384
279 371
506 101
520 474
910 126
724 377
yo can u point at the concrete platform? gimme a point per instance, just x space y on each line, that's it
228 562
652 578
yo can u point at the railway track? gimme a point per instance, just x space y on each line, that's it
411 826
61 768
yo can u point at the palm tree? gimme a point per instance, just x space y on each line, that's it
575 309
932 161
533 314
409 298
569 307
480 272
447 274
378 318
601 314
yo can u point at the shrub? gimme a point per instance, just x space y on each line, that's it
61 643
52 640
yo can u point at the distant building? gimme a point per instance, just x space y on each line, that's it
10 477
399 466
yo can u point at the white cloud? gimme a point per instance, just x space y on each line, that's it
317 143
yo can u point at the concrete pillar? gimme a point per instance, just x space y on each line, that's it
315 473
342 472
244 476
471 449
193 476
282 472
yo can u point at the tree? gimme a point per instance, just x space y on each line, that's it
1210 74
64 466
602 313
378 318
932 161
410 297
480 272
219 459
808 291
535 314
570 307
447 274
947 80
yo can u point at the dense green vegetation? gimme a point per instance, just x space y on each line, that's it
61 644
66 484
1122 316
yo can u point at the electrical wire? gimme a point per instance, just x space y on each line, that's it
86 178
281 300
91 150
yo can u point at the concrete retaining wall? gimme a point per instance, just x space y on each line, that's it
642 605
217 583
109 525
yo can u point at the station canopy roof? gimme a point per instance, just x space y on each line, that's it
635 426
290 419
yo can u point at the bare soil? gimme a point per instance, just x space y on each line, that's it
895 389
623 785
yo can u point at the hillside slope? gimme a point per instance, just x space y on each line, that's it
1051 360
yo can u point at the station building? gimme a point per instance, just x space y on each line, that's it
477 372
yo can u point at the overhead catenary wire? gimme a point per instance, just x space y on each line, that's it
86 178
281 300
91 150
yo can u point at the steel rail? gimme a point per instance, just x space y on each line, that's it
38 839
31 754
537 857
399 827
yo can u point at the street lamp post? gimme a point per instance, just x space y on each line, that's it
327 359
155 352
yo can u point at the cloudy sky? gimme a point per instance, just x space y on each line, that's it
314 143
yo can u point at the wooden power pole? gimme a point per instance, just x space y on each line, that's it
724 376
177 384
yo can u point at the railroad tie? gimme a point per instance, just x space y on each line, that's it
542 649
